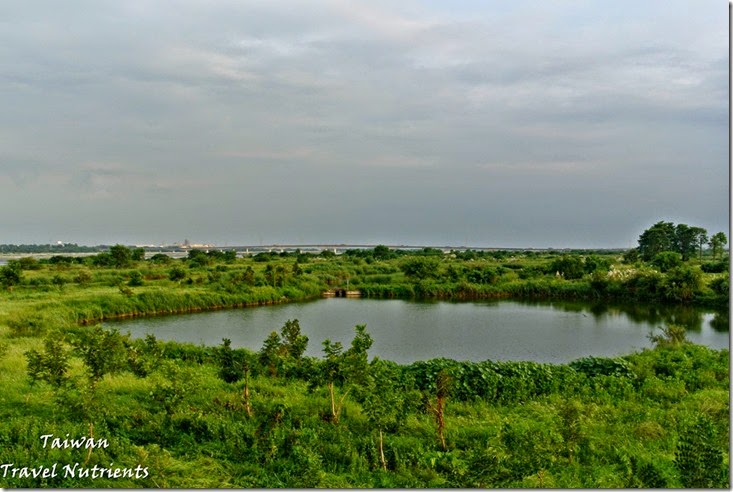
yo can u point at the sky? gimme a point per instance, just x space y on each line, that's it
531 124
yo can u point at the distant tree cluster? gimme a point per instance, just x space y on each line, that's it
48 248
681 238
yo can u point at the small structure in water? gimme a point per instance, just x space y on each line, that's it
342 293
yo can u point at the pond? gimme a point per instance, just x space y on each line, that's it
407 331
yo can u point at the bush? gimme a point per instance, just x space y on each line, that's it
49 365
715 267
667 260
570 267
136 279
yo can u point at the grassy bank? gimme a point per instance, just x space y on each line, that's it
180 415
63 291
189 416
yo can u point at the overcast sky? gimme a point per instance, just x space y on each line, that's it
482 123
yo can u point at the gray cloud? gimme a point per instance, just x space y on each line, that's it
530 124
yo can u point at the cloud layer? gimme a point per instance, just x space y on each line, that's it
526 124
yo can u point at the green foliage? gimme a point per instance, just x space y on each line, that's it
667 260
230 367
721 286
417 268
137 254
10 275
382 252
682 284
176 274
570 267
269 354
121 256
715 267
160 259
186 412
595 263
660 237
84 277
699 458
717 242
51 364
136 279
103 351
666 236
29 263
293 344
573 428
602 366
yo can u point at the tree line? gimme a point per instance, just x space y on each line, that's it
683 239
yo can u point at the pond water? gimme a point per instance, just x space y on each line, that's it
407 331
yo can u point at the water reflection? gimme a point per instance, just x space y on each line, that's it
721 322
657 315
406 331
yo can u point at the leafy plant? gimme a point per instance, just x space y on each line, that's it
51 364
698 458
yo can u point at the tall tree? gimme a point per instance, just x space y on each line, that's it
717 242
685 240
701 238
659 237
293 343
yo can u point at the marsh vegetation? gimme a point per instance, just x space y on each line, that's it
272 416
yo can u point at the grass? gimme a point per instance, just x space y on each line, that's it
527 425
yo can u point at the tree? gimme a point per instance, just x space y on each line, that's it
665 236
685 240
293 344
49 365
420 268
659 237
197 258
137 254
349 369
284 351
228 366
701 237
121 255
10 275
331 371
382 252
717 242
382 400
103 351
268 355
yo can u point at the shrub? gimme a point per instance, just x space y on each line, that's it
136 279
49 365
715 267
699 459
666 260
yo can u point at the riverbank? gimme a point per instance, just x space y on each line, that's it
68 291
